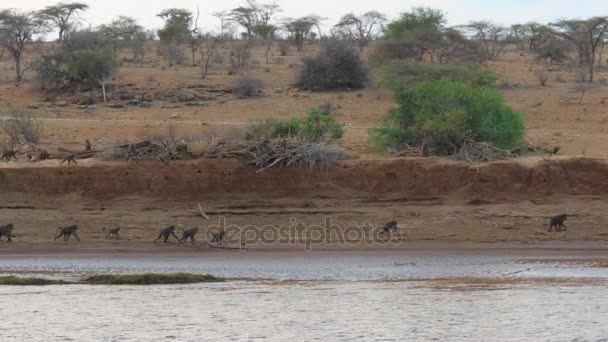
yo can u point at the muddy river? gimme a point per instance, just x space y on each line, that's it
312 298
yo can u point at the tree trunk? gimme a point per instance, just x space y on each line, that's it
103 91
60 35
18 67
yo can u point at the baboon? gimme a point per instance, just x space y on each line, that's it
112 233
69 158
8 155
189 234
388 228
166 233
558 223
218 237
87 146
7 231
66 232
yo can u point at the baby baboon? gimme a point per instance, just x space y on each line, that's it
112 233
66 232
558 223
166 233
87 146
388 228
189 234
8 155
7 231
218 237
69 158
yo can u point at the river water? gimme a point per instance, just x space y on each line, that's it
312 298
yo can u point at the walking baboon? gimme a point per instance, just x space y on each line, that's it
558 223
218 237
166 233
69 158
87 146
8 155
388 228
189 234
112 233
7 231
66 232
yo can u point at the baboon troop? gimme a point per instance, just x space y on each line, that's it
112 233
7 231
189 234
557 222
69 158
8 155
66 232
166 233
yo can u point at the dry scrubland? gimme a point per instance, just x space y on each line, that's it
508 201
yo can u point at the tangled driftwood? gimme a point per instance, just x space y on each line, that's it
481 152
289 152
163 150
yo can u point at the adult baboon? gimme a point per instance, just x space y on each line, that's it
69 158
189 234
558 223
8 155
166 233
7 231
66 232
390 227
87 146
218 237
112 233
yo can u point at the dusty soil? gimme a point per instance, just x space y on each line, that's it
432 199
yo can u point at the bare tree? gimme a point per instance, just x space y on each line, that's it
16 30
587 36
62 15
361 28
209 44
492 37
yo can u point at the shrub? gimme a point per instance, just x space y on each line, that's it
542 76
437 115
150 279
284 48
314 127
22 126
246 87
399 72
337 66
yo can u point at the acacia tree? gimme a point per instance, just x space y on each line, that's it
94 66
176 30
62 15
267 33
492 37
300 29
252 14
361 29
209 44
587 35
419 18
16 30
121 32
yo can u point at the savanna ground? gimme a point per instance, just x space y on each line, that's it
552 114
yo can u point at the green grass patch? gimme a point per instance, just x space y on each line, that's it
18 281
150 279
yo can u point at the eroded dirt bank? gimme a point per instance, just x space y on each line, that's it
432 199
383 179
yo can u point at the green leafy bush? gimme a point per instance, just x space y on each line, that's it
411 73
314 127
438 114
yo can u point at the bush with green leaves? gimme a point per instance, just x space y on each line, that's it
337 66
411 73
314 127
438 114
